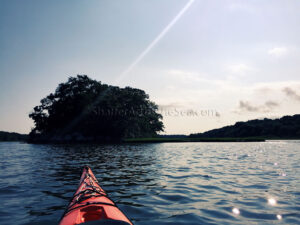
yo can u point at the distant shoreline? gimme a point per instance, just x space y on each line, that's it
162 140
15 137
166 140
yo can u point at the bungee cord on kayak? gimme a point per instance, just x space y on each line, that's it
91 203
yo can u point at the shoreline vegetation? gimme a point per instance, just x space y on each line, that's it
83 110
16 137
164 139
12 136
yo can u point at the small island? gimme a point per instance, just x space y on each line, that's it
85 110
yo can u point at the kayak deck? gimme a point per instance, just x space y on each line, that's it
91 205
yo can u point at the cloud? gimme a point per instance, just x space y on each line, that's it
278 51
189 77
171 105
271 104
291 93
275 87
241 7
245 106
186 75
240 68
224 95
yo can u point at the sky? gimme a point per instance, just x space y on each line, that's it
206 63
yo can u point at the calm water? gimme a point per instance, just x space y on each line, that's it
169 183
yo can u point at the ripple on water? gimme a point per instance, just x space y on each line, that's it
168 183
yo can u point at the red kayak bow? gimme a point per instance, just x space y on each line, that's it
91 205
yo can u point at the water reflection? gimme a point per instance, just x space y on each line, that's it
272 201
170 183
236 211
279 216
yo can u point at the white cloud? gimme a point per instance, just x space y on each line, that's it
226 93
278 51
185 75
240 68
231 91
234 100
198 81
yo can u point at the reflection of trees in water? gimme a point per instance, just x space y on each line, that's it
114 165
122 170
153 182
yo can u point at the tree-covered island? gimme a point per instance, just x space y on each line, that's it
85 110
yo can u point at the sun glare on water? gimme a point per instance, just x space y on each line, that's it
272 201
236 211
279 217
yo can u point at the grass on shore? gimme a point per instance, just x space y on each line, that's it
158 140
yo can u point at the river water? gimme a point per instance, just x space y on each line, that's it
164 183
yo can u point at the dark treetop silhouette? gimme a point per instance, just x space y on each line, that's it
83 109
12 136
285 127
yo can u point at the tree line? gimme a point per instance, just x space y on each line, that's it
285 127
12 136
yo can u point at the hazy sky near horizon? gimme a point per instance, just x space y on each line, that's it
238 58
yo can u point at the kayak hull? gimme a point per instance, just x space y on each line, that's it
91 203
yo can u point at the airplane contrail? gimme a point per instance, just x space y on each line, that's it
132 65
154 42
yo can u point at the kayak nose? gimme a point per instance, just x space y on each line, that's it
92 213
86 167
91 205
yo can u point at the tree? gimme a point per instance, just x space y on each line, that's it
87 110
285 127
